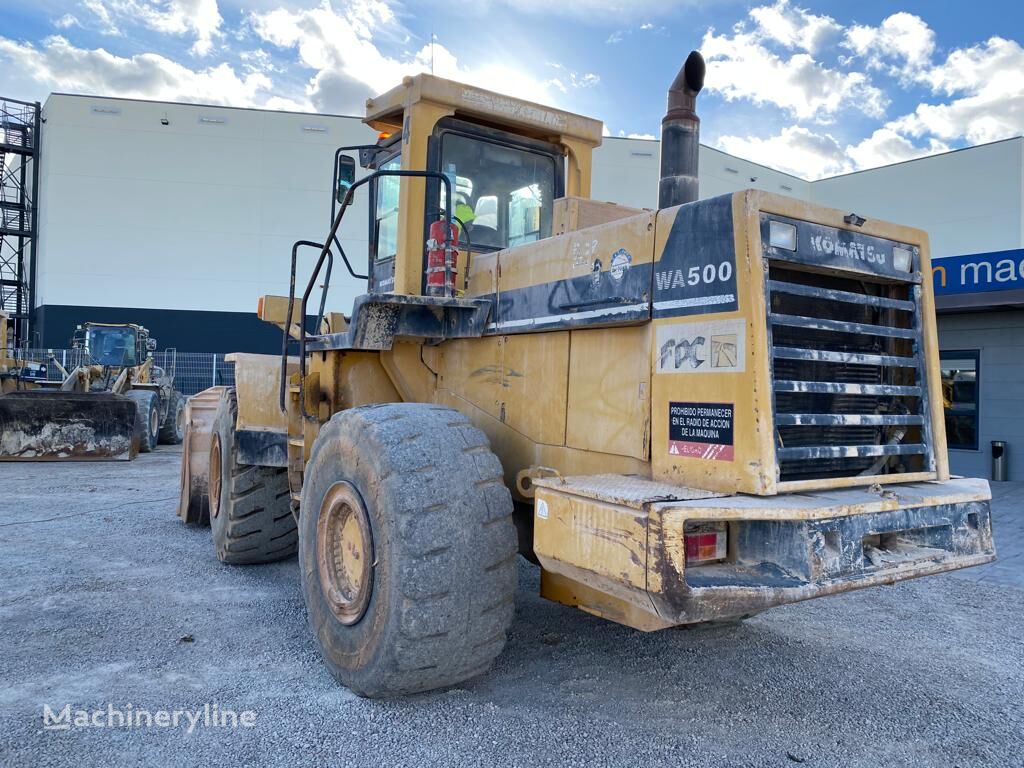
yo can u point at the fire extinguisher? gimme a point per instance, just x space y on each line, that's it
442 261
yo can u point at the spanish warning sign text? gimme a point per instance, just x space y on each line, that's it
701 430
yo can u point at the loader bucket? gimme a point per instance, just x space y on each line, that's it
42 425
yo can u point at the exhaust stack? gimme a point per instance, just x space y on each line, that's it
680 136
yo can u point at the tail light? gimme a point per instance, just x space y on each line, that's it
706 542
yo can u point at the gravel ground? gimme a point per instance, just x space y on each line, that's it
101 588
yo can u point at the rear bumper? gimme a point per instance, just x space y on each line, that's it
784 561
628 562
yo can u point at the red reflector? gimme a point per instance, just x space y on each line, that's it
706 542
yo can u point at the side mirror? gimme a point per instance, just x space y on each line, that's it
151 345
346 176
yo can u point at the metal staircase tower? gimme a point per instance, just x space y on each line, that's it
20 123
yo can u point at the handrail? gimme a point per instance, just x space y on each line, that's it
288 316
326 251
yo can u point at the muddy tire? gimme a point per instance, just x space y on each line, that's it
407 549
172 431
147 418
250 514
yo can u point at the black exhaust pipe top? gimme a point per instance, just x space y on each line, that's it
680 136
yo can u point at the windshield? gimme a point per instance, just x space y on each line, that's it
503 194
111 346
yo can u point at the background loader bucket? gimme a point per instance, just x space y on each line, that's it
39 425
200 412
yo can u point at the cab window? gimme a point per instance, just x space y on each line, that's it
385 215
503 195
112 346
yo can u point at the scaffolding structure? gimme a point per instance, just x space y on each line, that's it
20 123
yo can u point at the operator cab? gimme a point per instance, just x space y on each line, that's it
119 346
506 162
116 346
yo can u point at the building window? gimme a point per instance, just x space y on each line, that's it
960 369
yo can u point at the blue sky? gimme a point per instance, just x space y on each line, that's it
814 88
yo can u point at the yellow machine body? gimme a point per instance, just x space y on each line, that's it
630 373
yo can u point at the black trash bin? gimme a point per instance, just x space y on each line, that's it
999 460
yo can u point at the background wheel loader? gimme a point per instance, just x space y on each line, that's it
112 405
683 415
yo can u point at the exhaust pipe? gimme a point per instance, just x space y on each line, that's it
680 136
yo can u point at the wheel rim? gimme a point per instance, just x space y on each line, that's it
179 421
344 553
215 476
154 421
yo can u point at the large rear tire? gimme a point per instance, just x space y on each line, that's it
172 431
250 514
406 549
147 418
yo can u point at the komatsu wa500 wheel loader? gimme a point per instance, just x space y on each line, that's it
683 415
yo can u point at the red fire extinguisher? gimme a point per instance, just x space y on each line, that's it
441 261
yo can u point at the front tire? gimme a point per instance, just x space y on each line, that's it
172 431
250 513
147 418
407 549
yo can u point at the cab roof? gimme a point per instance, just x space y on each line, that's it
385 112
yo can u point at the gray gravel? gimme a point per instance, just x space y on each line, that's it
94 605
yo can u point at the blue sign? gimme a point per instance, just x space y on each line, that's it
979 272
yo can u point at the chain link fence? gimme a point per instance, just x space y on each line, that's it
193 371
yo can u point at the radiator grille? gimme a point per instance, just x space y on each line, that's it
849 394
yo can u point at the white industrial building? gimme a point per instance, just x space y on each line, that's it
179 216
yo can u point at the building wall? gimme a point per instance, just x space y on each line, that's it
999 338
182 226
188 223
197 216
626 171
969 201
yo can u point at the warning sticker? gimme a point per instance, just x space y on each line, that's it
701 430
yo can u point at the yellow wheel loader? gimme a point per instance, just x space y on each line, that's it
683 415
116 403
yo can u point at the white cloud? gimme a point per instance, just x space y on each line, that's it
795 150
341 46
902 38
258 61
58 65
615 37
812 155
972 69
591 11
996 112
745 64
67 21
586 80
103 16
200 18
794 27
742 67
575 79
989 79
984 80
886 146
